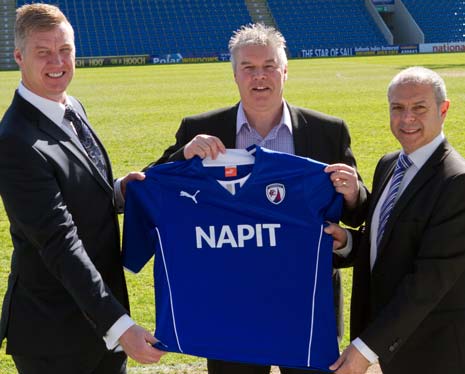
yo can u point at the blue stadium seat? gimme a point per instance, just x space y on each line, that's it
190 27
440 20
325 24
200 28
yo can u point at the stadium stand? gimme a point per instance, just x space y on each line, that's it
202 28
7 22
195 28
440 20
325 24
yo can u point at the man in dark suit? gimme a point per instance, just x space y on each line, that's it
408 304
66 306
263 117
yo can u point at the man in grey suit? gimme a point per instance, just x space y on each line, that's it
408 304
66 306
263 117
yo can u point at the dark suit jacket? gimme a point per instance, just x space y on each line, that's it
66 286
410 309
316 135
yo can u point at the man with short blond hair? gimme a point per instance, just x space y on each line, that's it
66 306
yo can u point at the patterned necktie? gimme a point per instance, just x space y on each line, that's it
403 163
87 140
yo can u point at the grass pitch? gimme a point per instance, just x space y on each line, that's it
137 110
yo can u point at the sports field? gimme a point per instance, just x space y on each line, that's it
136 111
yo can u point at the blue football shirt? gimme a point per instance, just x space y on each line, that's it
242 266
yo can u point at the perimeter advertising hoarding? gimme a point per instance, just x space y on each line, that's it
173 58
442 47
359 51
176 58
111 61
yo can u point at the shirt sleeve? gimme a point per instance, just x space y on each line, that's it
116 330
365 350
119 198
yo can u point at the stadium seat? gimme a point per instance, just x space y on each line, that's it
132 27
441 21
199 28
325 24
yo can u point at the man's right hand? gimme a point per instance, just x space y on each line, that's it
137 343
204 146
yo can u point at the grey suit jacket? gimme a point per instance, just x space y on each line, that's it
66 287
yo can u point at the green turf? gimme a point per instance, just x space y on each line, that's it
136 111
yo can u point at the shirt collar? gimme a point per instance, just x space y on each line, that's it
53 110
422 154
242 120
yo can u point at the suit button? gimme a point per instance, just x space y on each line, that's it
394 346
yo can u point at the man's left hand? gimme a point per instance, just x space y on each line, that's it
345 181
351 361
339 235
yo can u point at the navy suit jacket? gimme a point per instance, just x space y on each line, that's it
66 287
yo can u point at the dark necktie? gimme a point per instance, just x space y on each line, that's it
87 140
403 163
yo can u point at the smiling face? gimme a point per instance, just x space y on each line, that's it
416 117
260 78
47 61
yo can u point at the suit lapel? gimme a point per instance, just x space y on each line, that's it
228 132
71 144
384 180
104 152
302 141
383 173
427 172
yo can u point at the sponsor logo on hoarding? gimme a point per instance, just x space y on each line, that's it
173 58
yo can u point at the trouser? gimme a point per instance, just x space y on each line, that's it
223 367
108 363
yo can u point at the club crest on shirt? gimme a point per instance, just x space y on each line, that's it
275 193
